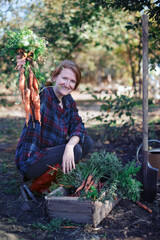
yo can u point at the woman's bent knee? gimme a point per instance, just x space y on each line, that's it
87 146
77 152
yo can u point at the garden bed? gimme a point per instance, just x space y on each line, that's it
77 210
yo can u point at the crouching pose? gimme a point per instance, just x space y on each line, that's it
61 138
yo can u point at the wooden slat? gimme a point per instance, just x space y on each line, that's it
100 210
63 198
67 204
76 217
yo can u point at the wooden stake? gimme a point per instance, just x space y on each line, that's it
145 81
145 155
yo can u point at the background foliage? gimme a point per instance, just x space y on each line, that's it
103 37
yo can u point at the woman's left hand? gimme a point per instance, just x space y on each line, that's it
68 162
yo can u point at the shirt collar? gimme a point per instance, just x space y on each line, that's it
64 99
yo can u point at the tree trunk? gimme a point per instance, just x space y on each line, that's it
99 77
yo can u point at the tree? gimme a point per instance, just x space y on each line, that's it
94 33
13 15
150 7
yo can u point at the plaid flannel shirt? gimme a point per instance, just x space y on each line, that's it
57 125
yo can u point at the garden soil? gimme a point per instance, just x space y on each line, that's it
126 221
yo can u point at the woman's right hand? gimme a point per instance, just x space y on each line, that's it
20 62
68 162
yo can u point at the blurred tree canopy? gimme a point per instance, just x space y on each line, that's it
102 36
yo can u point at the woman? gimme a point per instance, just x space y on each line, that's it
61 138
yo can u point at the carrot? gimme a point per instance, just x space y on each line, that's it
31 77
22 82
35 83
27 104
88 187
36 101
30 96
37 116
33 93
115 198
95 185
80 187
52 167
88 182
69 227
143 206
31 105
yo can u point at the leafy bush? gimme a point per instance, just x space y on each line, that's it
120 105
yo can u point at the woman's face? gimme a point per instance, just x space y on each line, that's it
65 82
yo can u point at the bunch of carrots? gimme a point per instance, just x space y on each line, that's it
29 88
86 186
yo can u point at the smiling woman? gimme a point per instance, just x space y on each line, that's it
61 139
65 83
74 70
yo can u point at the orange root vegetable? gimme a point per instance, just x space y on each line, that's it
35 96
89 186
36 101
35 83
27 104
56 169
115 198
37 115
30 96
144 207
80 187
95 185
88 182
22 82
69 227
31 76
31 105
32 93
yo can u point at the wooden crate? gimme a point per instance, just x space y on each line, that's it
75 209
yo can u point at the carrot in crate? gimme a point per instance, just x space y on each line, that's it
80 187
89 182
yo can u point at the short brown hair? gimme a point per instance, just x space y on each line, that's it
70 65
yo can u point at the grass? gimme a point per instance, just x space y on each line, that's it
11 178
5 103
53 225
154 121
10 131
11 186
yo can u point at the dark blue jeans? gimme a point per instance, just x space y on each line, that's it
55 154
